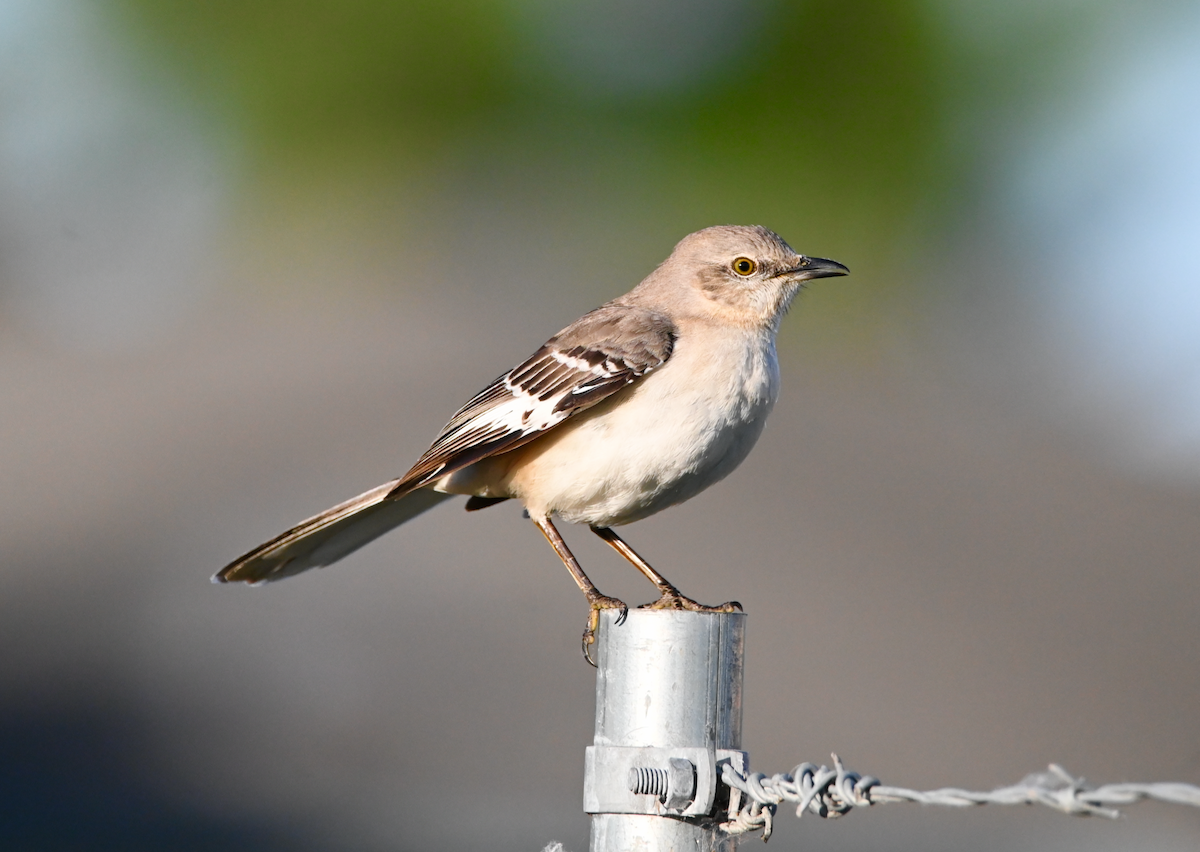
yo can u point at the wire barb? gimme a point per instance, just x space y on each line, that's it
830 793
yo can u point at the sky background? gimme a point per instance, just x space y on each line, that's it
253 255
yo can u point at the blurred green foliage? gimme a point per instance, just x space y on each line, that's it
311 74
829 122
828 99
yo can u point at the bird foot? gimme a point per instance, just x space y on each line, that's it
599 602
674 600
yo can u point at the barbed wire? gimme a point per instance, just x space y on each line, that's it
830 793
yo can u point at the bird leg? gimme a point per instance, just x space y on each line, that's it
671 597
595 599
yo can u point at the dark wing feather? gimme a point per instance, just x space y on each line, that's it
588 361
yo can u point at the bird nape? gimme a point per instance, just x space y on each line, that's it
636 406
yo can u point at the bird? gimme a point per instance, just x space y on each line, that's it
635 407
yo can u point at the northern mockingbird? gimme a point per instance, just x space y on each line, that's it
634 407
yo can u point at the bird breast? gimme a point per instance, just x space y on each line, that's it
657 443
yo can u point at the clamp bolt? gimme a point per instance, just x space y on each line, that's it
675 786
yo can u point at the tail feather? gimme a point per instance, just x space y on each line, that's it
325 538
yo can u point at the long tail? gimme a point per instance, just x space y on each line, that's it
325 538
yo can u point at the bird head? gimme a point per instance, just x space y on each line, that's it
744 274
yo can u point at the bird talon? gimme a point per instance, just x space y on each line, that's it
598 603
588 638
674 600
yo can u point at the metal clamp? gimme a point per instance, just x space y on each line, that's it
659 781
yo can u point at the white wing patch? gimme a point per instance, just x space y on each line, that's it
524 412
576 363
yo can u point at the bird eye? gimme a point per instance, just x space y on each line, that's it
744 266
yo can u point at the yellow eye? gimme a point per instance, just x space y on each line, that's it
744 266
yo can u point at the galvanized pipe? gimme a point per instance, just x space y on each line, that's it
669 682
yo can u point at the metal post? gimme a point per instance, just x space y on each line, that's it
668 713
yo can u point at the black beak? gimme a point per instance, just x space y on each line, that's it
816 267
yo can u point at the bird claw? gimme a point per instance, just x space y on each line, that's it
676 601
600 602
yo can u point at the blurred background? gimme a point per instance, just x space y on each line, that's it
253 254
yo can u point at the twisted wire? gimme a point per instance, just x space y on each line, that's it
830 793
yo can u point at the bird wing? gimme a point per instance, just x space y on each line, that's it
588 361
